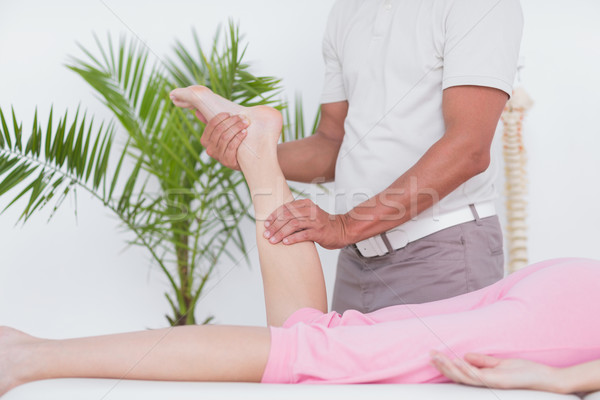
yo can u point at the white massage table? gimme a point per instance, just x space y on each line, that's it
108 389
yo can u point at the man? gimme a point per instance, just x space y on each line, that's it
413 93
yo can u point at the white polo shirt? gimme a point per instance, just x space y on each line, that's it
391 59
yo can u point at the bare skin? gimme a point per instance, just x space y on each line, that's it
257 157
14 345
292 280
192 353
483 370
471 114
306 160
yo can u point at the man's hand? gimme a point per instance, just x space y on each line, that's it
223 136
492 372
303 220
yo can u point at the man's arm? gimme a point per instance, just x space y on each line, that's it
471 114
306 160
313 158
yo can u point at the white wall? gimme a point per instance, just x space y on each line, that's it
561 47
71 278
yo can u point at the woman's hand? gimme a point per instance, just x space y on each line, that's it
492 372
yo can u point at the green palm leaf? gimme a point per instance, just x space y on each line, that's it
182 206
66 160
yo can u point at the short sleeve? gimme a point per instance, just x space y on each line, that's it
482 43
333 89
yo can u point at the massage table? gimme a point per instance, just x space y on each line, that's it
110 389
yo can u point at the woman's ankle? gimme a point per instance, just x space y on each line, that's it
19 358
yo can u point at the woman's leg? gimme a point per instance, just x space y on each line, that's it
292 278
465 302
292 275
189 353
547 316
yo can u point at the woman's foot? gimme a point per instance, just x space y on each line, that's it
15 348
204 100
265 122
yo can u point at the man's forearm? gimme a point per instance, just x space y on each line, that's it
309 160
443 168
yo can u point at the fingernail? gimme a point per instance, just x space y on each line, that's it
272 240
244 132
267 234
267 224
286 241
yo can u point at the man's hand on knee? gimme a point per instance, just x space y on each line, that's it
303 220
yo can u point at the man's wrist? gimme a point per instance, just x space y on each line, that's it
348 229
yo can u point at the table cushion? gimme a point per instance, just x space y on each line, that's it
592 396
107 389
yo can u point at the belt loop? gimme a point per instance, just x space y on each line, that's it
354 248
475 214
387 243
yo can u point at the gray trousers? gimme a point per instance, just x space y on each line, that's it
453 261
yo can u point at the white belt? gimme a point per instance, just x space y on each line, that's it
416 229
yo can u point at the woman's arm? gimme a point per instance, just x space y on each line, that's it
488 371
580 378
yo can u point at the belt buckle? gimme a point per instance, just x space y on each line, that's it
373 247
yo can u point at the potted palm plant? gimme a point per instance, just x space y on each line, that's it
183 207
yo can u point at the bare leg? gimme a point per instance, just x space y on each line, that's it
292 279
292 275
190 353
